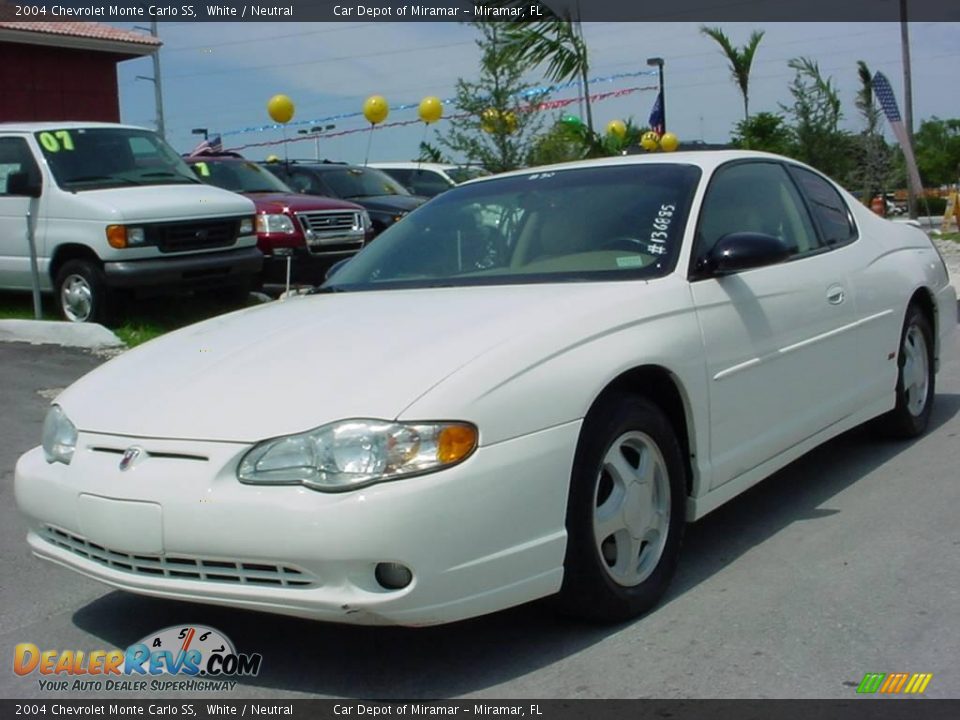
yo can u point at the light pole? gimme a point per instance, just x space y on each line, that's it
657 62
157 82
199 131
315 131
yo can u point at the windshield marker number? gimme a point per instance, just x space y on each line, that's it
56 141
659 234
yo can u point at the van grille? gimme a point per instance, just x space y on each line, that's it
236 572
193 234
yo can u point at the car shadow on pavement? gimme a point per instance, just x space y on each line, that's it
313 658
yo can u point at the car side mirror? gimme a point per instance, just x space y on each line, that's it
20 183
744 251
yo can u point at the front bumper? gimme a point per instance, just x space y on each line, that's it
478 537
186 271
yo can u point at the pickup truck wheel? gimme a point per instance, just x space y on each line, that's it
82 294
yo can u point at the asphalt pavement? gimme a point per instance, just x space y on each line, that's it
846 562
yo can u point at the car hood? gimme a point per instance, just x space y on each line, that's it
295 202
153 203
390 203
293 365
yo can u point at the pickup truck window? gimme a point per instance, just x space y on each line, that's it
96 158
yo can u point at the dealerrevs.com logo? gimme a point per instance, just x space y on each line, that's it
199 657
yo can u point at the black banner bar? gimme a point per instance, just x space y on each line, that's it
864 11
855 709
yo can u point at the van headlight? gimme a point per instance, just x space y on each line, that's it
355 453
59 438
246 226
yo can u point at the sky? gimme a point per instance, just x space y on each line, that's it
220 76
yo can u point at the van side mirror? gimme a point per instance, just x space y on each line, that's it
20 183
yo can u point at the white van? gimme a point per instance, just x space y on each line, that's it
113 208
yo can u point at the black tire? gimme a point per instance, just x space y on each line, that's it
911 416
590 590
82 294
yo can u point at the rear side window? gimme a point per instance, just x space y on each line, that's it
15 157
829 210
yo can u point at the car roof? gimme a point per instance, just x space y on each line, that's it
412 166
62 125
707 160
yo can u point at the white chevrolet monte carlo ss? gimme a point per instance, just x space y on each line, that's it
525 388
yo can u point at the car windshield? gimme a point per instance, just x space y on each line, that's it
97 158
362 182
464 173
239 176
596 223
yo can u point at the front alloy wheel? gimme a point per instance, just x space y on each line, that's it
915 379
625 511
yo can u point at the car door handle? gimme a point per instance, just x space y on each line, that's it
835 295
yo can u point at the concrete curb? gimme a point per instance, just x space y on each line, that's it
66 334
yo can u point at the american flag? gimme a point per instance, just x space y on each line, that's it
656 115
210 146
884 93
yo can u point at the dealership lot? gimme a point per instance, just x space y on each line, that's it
845 563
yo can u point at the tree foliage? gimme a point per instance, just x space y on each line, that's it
872 170
556 40
740 59
764 131
497 126
816 113
937 147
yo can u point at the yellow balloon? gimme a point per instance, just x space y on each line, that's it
273 159
431 109
510 122
280 108
376 109
649 141
488 120
617 128
669 142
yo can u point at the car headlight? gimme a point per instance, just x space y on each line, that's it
280 224
122 236
59 438
365 222
354 453
246 226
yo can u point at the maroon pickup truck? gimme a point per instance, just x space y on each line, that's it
318 231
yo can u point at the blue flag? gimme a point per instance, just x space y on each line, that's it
656 115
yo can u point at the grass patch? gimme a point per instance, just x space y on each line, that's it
954 236
141 320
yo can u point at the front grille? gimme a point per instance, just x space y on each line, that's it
332 227
193 234
234 572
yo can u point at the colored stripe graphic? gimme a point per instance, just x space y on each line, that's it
894 683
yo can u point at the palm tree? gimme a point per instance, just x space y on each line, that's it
740 60
556 39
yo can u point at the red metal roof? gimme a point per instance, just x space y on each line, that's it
91 30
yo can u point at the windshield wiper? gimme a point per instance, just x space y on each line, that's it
92 178
164 173
324 289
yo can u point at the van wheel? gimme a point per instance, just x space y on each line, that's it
82 293
625 512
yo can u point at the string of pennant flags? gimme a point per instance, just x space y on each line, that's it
533 107
528 94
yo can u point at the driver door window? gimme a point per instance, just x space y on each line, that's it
755 197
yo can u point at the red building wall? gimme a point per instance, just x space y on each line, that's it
39 82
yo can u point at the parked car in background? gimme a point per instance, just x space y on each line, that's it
525 388
318 231
428 179
113 209
384 198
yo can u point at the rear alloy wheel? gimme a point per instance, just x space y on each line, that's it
82 292
625 515
915 379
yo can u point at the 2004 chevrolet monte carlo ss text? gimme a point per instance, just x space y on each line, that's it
524 388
